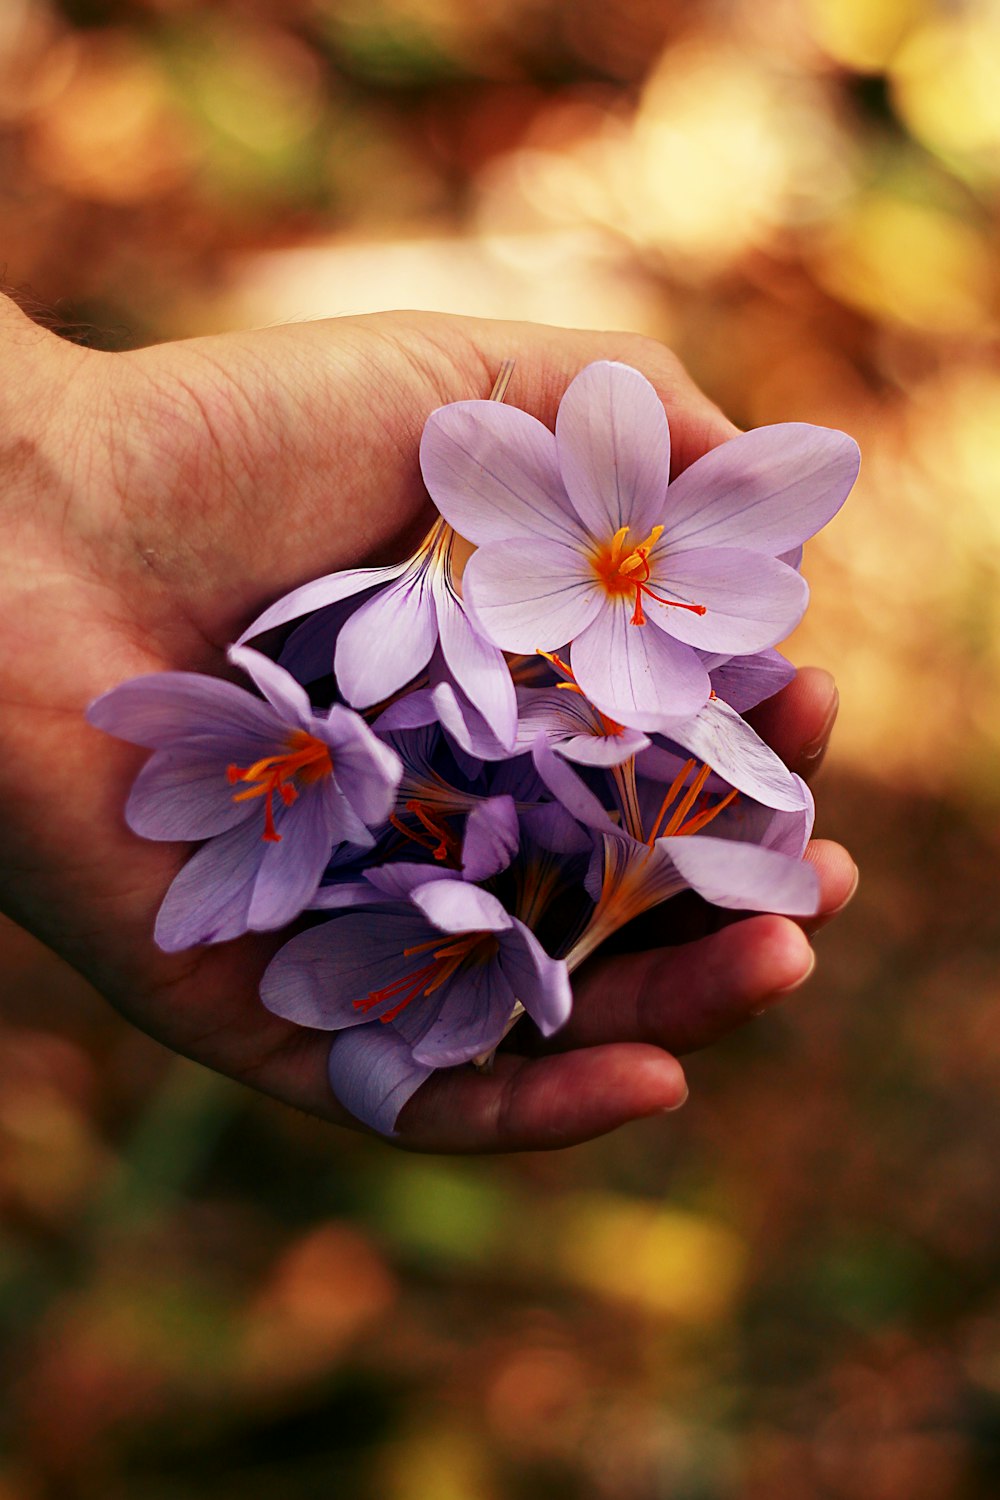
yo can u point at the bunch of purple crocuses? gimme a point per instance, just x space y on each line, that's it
463 785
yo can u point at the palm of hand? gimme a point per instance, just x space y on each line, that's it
192 484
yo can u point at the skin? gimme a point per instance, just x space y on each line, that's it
151 504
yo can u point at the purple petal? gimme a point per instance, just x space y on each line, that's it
315 979
614 450
751 600
400 878
540 982
341 894
492 472
412 710
166 708
321 592
453 906
476 665
636 673
571 724
286 696
368 772
291 870
531 598
744 877
470 1018
184 794
766 490
373 1074
388 641
566 785
491 838
465 724
308 651
209 900
721 739
745 681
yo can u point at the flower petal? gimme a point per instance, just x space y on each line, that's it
745 681
470 1017
166 708
531 598
540 982
614 450
477 666
567 787
493 473
373 1074
744 877
320 592
570 724
453 906
388 641
766 490
721 739
464 724
636 673
209 900
367 771
751 600
286 696
291 870
183 794
492 838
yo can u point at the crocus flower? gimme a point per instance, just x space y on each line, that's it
579 538
270 784
427 976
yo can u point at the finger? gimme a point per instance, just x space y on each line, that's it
798 721
540 1103
688 996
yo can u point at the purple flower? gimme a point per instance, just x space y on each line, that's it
428 976
580 539
271 785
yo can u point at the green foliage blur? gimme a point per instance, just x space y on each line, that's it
791 1288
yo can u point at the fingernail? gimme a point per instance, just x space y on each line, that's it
668 1109
777 995
815 749
850 895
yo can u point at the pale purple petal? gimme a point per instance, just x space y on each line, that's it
744 877
614 450
567 786
540 982
636 673
721 739
209 900
491 838
373 1074
341 894
400 878
453 906
166 708
316 978
321 592
531 598
343 825
286 696
412 710
470 1018
751 600
388 641
290 870
766 490
184 794
477 666
464 724
574 727
308 651
368 772
493 473
745 681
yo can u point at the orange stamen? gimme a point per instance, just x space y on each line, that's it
306 760
437 836
674 788
448 956
624 571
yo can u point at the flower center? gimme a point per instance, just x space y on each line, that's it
624 570
306 760
433 833
448 955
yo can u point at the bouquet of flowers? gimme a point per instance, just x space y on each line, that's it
460 773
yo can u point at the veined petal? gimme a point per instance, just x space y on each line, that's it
744 877
721 739
636 673
291 870
531 598
368 771
183 793
540 982
464 723
491 838
388 641
766 490
286 696
209 900
614 449
321 592
470 1018
751 600
412 710
166 708
493 473
745 681
476 664
316 978
453 906
567 787
373 1073
570 724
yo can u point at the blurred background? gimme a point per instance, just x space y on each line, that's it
792 1287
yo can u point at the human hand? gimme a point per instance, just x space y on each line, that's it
155 502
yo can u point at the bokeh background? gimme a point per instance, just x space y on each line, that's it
791 1288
